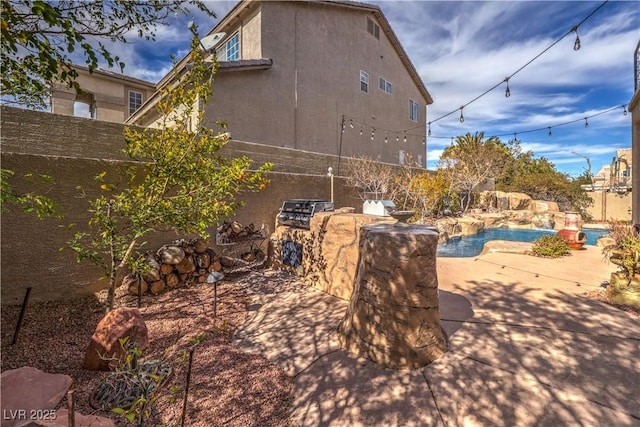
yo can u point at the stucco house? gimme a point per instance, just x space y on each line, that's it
105 95
634 108
321 76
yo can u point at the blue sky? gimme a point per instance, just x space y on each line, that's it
461 49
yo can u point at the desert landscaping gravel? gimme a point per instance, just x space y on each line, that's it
228 387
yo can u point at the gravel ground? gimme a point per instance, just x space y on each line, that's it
228 387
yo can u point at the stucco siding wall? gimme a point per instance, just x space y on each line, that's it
634 108
610 206
318 52
73 151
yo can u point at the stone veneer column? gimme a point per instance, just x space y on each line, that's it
393 316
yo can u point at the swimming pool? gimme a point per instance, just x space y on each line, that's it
469 246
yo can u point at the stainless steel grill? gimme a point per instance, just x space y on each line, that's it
298 212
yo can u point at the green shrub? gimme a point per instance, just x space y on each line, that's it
551 246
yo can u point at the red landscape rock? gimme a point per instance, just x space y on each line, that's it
29 394
105 349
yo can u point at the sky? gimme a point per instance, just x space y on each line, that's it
462 49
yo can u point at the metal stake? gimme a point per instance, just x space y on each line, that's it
21 316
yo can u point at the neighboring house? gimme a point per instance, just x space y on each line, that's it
617 176
104 95
634 108
293 74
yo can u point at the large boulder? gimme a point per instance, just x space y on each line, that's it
105 350
540 206
519 201
448 228
470 226
519 218
27 390
543 220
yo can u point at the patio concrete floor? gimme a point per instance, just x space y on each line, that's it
525 349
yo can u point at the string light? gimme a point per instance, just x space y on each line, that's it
351 123
507 92
545 128
576 44
576 47
424 141
386 137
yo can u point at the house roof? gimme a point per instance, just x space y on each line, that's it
245 6
115 76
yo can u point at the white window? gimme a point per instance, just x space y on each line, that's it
135 101
230 50
384 85
402 157
413 110
364 81
373 28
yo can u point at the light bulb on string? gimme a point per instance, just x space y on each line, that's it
507 93
624 113
361 132
386 137
549 127
576 44
342 127
424 141
586 122
351 123
397 138
461 115
429 129
373 133
404 139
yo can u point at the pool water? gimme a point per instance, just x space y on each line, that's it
469 246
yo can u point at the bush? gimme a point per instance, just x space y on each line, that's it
551 246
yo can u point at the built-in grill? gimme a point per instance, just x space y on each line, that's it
298 212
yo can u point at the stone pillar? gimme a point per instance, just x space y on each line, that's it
393 317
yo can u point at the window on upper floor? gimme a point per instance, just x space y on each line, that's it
373 28
135 101
230 50
364 81
402 157
414 108
384 85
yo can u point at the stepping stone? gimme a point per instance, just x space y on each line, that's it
26 390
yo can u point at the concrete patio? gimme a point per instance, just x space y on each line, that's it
525 349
